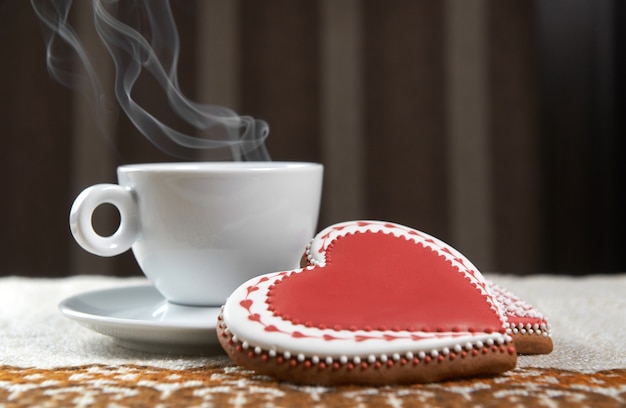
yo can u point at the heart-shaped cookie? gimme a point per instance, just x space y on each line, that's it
378 303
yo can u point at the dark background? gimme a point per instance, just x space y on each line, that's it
555 92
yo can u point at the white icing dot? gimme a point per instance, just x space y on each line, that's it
245 345
490 342
272 353
434 353
257 350
515 331
235 339
479 344
500 341
468 346
357 360
530 331
383 358
343 360
287 355
396 357
315 360
421 355
371 358
329 360
301 357
409 355
458 348
445 351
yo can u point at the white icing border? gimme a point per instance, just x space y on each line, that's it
345 344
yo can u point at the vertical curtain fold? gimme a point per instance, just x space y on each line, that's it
491 125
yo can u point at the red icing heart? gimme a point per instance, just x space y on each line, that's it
376 281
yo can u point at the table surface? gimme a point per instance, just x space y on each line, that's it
45 355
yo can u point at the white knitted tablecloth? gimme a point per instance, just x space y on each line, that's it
588 317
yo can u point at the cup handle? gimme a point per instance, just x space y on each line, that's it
82 228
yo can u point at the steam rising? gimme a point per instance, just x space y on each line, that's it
141 35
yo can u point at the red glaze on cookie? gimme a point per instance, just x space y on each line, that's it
374 295
370 290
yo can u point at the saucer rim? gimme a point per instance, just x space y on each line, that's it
67 309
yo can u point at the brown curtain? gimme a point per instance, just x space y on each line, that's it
448 116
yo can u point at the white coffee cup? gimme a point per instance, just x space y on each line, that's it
199 230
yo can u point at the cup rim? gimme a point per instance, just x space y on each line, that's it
222 166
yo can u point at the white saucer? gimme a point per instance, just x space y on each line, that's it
138 317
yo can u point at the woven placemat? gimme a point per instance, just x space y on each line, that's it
48 360
223 384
